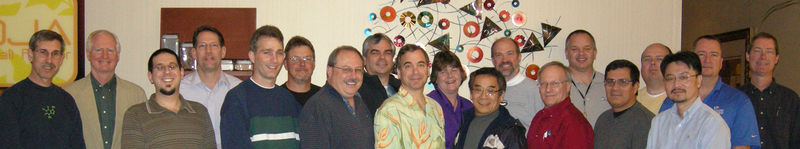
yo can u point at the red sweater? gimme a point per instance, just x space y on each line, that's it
560 126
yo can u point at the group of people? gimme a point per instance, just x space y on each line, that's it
374 98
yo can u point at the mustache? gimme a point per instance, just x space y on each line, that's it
47 65
677 89
351 81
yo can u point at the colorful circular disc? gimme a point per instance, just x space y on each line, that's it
475 59
460 48
504 16
507 33
399 41
531 71
408 23
372 16
425 23
471 33
520 40
519 18
488 5
444 24
515 3
368 32
388 14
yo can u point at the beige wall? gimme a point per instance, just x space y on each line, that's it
713 17
623 28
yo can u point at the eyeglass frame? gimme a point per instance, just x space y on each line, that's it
673 79
295 59
350 70
620 82
487 92
555 84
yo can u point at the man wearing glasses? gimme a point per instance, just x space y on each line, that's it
257 113
208 85
300 66
167 120
559 124
733 105
621 82
35 113
689 123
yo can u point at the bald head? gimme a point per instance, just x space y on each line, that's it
651 63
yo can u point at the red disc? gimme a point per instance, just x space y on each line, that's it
488 5
504 16
520 40
531 71
477 58
390 16
399 41
471 33
444 23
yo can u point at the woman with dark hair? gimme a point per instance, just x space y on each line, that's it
447 76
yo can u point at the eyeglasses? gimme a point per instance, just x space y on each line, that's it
350 70
620 82
552 84
44 53
295 59
212 46
170 67
488 92
681 78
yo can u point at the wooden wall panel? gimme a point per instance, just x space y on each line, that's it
236 25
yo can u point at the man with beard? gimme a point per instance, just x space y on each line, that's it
336 117
257 113
689 123
300 65
733 105
777 106
522 96
102 96
409 119
167 120
35 113
208 85
379 83
652 96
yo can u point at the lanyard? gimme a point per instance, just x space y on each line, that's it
587 88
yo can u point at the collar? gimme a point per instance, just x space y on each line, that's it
558 107
154 108
437 94
516 80
111 83
194 79
617 114
259 85
689 112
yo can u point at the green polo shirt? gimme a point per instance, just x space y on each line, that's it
105 96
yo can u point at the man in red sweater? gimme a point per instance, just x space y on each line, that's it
559 124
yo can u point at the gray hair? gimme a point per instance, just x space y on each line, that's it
375 39
332 58
559 65
89 40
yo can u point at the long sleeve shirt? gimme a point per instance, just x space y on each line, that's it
560 126
327 123
702 127
255 116
453 119
777 110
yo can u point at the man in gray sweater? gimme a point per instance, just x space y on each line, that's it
522 95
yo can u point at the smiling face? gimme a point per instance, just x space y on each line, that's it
268 58
553 94
299 69
103 55
346 83
379 58
413 70
505 57
623 96
449 79
208 52
651 62
710 54
763 57
46 59
580 51
681 90
166 74
484 94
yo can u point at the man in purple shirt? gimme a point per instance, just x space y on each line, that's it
447 76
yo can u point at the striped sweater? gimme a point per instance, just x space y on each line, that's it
254 116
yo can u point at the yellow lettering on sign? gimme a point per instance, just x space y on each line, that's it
3 35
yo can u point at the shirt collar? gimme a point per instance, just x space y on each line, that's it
154 108
437 95
194 79
516 80
689 112
561 106
111 84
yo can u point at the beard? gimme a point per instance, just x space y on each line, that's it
167 92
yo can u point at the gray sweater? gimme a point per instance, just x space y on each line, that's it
326 122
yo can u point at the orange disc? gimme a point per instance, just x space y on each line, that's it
504 16
388 14
477 58
471 33
531 71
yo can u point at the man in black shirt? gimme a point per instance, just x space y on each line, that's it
777 107
35 113
300 65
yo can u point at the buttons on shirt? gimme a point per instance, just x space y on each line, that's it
762 98
104 127
762 113
762 128
106 142
104 97
104 112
